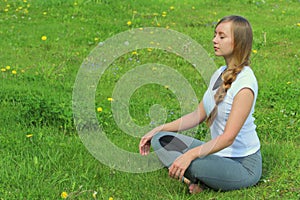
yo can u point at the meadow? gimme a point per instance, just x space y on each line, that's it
43 45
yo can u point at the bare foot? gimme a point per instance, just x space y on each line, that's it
195 188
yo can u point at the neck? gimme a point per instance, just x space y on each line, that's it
229 62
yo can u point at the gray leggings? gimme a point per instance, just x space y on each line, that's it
218 173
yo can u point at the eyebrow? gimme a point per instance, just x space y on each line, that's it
220 33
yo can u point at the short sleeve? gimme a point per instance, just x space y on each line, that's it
245 79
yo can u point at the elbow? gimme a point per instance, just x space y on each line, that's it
230 141
227 140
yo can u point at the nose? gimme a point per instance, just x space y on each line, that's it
214 40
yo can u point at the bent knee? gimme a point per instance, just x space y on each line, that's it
155 140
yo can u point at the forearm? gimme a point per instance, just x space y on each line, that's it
185 122
210 147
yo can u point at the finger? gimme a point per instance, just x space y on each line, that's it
146 149
174 172
141 148
177 174
142 144
171 171
181 174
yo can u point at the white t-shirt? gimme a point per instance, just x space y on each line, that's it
247 141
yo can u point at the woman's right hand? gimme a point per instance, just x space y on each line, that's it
145 143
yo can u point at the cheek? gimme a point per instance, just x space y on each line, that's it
230 46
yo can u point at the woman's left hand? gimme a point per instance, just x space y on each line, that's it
177 169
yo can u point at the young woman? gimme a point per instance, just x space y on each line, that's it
231 159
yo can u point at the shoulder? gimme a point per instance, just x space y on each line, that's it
246 71
245 79
246 76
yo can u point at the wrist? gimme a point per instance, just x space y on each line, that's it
193 153
158 129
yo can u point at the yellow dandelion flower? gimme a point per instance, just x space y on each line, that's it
110 99
129 23
95 195
29 135
193 7
172 8
28 5
14 72
3 70
6 10
254 51
164 14
96 39
167 27
134 12
289 82
99 109
44 38
26 11
25 1
7 6
134 53
7 67
298 24
110 198
75 3
64 195
149 49
167 87
44 13
158 24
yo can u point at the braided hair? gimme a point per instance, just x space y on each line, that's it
242 37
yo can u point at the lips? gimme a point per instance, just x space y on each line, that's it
216 48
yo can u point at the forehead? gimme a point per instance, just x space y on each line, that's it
224 27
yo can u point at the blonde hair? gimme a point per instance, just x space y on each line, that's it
242 45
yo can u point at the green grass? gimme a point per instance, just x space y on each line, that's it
41 154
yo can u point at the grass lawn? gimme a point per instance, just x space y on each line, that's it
43 45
